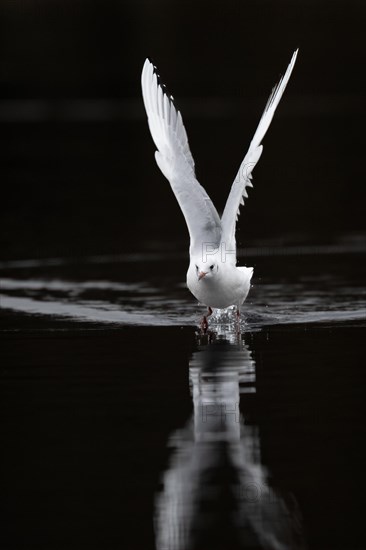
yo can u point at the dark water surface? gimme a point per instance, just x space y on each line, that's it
123 427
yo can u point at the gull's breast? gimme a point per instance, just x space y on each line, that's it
219 291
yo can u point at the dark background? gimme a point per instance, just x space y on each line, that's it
77 169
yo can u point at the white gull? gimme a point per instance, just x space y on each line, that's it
212 277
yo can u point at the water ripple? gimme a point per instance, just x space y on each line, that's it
306 300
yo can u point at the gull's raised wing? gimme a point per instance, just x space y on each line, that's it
244 175
176 162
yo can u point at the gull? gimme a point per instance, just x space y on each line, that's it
212 277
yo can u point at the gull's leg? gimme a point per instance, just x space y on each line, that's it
238 320
204 323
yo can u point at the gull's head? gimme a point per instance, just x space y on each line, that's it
206 270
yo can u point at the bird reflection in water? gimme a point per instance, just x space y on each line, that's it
215 492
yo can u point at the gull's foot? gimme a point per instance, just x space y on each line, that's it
237 322
204 322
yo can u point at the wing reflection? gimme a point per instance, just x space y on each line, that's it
215 492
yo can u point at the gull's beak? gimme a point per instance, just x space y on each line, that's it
201 274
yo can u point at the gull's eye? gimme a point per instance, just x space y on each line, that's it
196 267
211 267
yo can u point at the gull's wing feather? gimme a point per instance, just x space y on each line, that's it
175 160
244 175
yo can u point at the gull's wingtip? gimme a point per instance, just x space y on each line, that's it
294 55
147 64
291 64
